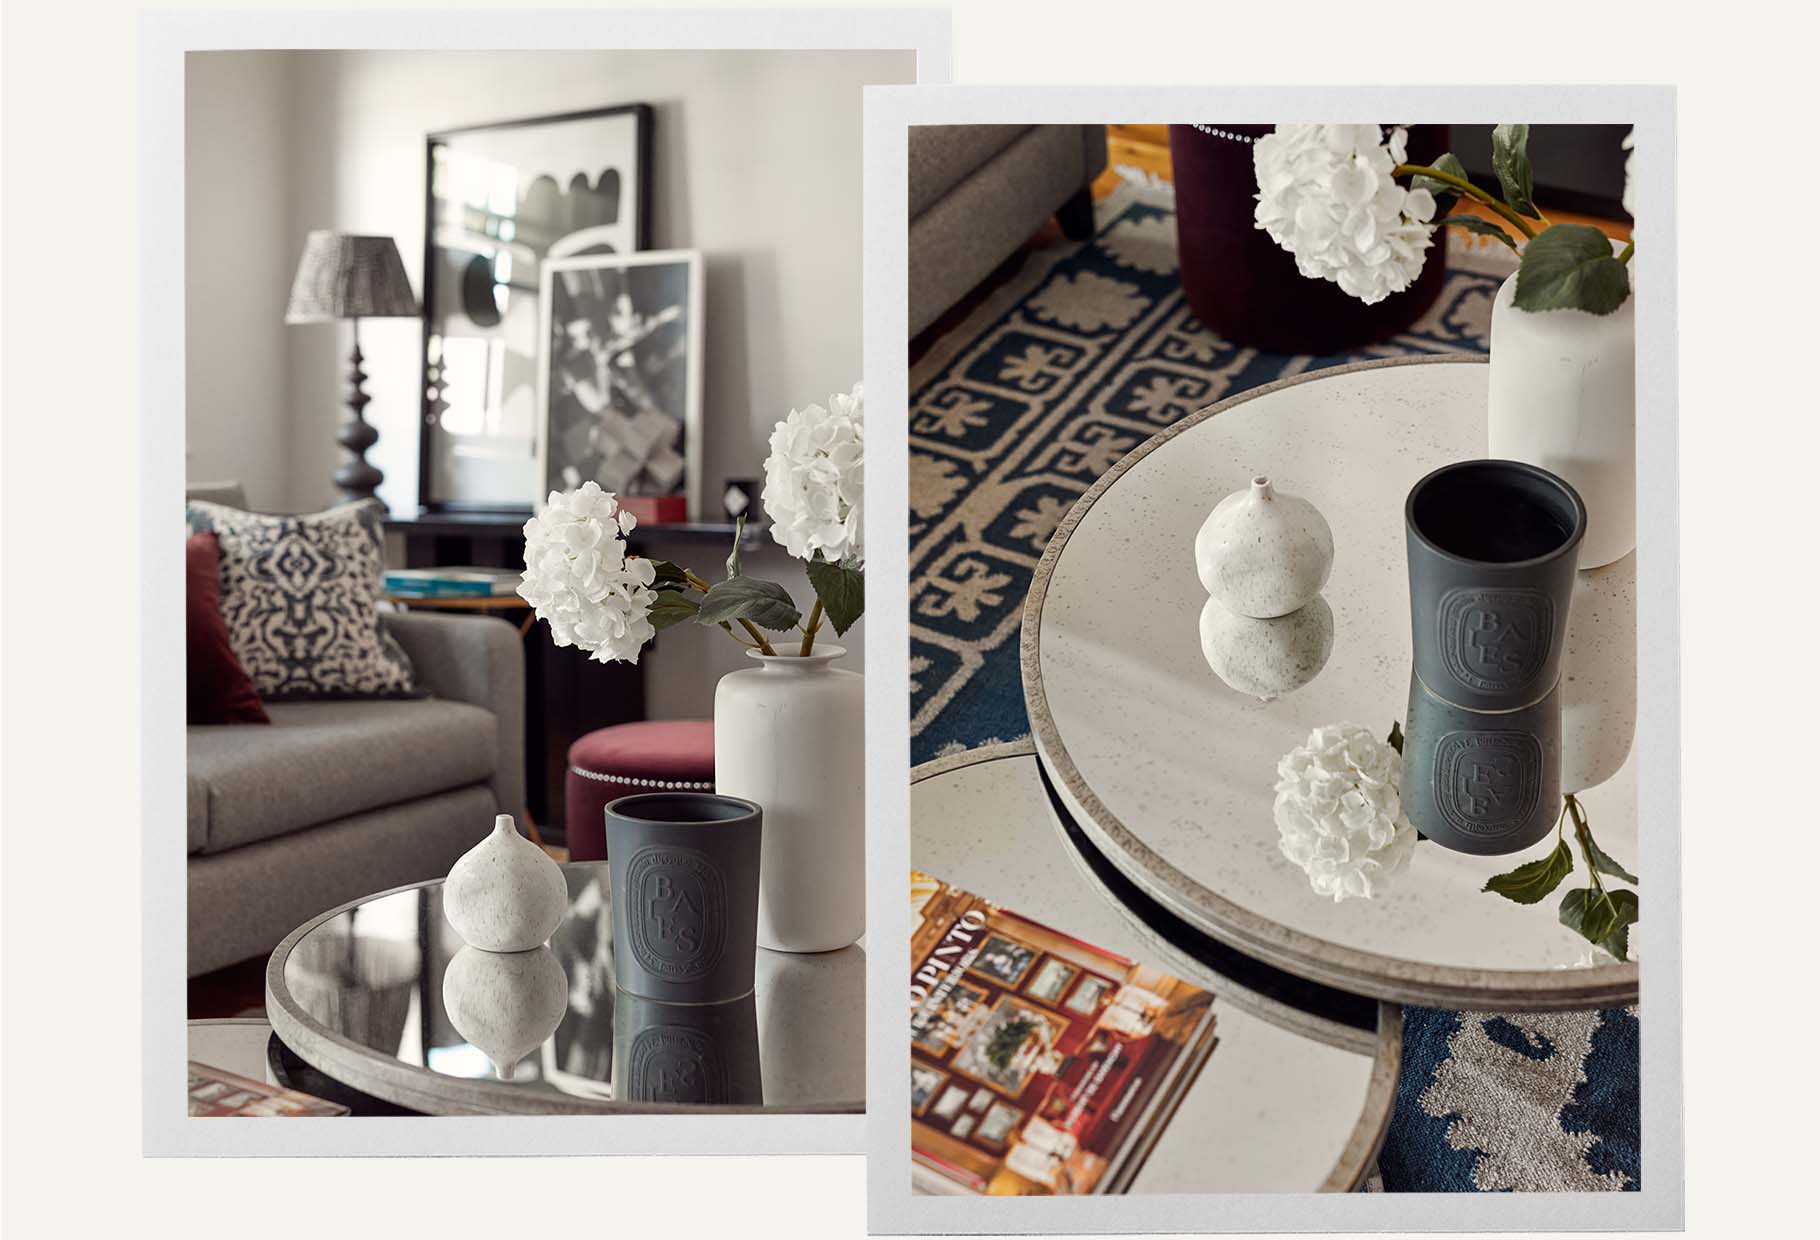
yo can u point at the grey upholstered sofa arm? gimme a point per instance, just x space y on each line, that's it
479 660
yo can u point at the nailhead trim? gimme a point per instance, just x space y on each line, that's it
1211 132
674 785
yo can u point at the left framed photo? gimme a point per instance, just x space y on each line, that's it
499 200
619 378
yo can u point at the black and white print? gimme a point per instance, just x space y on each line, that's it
300 597
502 199
620 386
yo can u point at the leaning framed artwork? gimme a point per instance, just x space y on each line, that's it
501 199
619 379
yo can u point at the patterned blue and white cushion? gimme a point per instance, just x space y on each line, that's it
300 595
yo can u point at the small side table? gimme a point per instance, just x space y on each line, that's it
494 604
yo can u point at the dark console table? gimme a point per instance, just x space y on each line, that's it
566 693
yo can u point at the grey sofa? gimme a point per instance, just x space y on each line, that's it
977 192
338 799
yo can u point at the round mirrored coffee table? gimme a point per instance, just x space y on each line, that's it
1293 1098
1165 774
366 995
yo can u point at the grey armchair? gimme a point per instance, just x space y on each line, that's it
338 799
977 192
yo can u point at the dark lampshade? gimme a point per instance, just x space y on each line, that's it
347 277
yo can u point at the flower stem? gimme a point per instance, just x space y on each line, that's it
1583 833
1469 189
1630 247
764 647
815 622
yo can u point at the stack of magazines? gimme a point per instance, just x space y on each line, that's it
1039 1064
452 582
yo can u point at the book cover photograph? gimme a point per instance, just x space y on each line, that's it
1039 1064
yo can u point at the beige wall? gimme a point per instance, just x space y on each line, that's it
239 263
756 162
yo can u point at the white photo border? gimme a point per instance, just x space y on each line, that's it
165 39
891 1208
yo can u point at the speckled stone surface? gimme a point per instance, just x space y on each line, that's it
505 894
1599 676
1265 659
1274 1110
505 1003
1264 552
1170 771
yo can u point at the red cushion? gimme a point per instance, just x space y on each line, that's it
626 759
220 691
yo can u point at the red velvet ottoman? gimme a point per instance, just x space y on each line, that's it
631 757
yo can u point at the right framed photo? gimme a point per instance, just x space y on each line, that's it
1288 675
619 385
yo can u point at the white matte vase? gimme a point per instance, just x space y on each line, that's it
790 735
1564 397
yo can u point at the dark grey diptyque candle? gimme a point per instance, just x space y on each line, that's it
684 869
692 1054
1492 547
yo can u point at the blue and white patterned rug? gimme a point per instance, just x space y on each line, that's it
1082 355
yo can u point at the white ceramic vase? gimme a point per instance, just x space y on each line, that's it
1564 397
507 1004
790 735
505 894
1263 552
1265 659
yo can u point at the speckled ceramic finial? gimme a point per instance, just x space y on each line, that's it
1264 553
505 894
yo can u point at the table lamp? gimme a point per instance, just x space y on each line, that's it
341 276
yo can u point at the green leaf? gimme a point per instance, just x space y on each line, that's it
669 575
739 534
1481 227
1604 918
1445 194
1510 160
1600 859
764 603
1395 739
672 607
1528 883
842 591
1571 267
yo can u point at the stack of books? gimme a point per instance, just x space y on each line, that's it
452 582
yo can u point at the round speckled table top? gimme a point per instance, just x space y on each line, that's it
1289 1101
365 993
1168 773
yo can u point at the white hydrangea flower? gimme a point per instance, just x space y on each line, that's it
1326 195
815 479
577 577
1339 811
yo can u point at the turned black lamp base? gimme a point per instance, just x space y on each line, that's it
357 478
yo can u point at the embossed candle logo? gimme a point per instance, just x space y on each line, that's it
1487 782
1495 640
670 1064
677 919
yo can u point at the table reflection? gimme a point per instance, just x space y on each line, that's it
392 976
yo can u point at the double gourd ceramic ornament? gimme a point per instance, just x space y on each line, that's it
1264 553
505 894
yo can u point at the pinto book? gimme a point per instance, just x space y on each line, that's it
1039 1064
